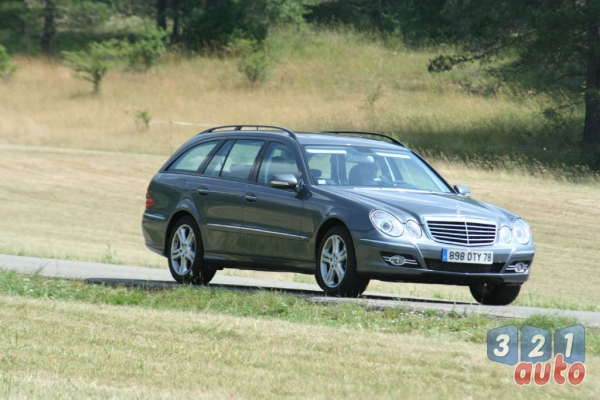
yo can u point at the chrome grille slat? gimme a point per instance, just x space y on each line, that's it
466 233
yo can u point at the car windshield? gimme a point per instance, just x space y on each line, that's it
362 166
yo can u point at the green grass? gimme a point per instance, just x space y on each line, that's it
273 304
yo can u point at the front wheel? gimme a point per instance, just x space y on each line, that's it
336 265
186 254
495 295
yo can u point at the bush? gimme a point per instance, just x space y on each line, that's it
255 61
7 68
147 50
93 63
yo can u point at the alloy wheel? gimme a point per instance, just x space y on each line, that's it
333 261
183 250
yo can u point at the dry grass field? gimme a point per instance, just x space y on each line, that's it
326 81
73 174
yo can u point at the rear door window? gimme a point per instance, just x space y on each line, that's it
239 161
191 160
216 164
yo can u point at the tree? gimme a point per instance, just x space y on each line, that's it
161 14
43 19
591 130
416 21
217 22
13 17
49 29
557 41
98 58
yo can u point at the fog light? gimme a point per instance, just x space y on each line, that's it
521 267
397 260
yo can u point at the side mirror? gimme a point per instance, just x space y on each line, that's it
286 181
462 190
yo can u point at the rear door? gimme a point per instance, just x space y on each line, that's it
218 194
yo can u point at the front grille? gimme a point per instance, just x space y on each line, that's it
438 265
465 233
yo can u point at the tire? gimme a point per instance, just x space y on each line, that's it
336 265
186 254
498 295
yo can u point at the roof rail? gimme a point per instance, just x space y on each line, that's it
243 127
360 133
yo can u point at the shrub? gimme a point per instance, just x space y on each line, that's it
93 63
7 68
142 119
147 50
255 61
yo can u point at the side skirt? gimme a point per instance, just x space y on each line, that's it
221 261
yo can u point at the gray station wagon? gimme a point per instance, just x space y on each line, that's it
346 207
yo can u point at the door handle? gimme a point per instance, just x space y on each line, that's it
250 197
202 190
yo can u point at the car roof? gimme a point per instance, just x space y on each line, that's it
344 139
337 138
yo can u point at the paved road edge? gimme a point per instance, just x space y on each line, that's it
71 269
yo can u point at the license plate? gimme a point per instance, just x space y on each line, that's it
467 256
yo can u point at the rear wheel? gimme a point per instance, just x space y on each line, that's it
495 295
186 254
336 265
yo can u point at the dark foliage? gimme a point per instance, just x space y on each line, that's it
555 44
418 22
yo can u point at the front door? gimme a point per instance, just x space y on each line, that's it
273 217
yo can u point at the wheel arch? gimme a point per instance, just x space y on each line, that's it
174 218
327 225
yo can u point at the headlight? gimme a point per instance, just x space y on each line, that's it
505 234
413 228
386 223
521 231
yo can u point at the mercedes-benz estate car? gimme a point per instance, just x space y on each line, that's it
346 207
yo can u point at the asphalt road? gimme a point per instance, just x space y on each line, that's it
140 276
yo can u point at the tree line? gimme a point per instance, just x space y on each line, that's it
553 43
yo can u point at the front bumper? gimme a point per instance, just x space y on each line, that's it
423 262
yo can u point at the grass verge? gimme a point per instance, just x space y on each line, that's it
65 339
274 304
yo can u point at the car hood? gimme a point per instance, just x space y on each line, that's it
419 204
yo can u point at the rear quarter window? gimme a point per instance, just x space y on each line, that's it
191 160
